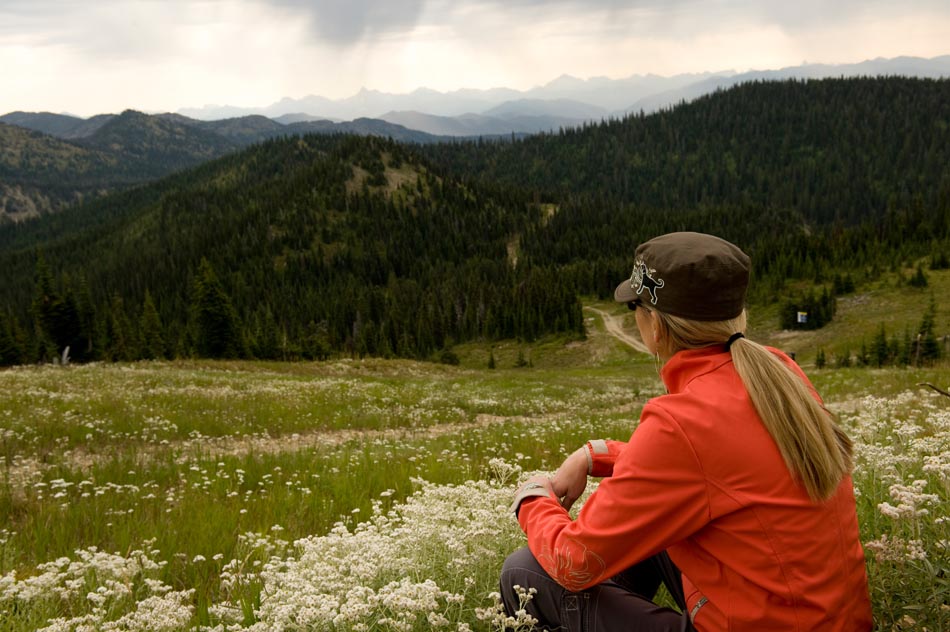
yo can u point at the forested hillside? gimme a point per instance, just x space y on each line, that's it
41 174
294 248
810 176
325 244
57 125
50 162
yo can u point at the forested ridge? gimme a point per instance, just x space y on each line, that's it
49 162
327 244
128 149
809 176
295 248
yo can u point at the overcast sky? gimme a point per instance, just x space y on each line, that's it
88 57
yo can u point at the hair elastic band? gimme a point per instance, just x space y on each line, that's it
733 338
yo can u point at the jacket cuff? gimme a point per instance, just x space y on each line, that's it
600 462
527 490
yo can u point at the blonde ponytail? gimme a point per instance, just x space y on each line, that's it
814 448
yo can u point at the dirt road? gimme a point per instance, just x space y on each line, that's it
614 326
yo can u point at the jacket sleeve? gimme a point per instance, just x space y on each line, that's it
657 496
603 455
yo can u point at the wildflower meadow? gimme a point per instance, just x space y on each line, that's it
369 495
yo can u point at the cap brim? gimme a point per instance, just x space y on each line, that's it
624 293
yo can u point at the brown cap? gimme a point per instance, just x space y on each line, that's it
691 275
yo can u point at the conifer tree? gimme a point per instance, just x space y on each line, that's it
10 352
521 361
863 358
317 342
266 335
879 348
55 314
906 350
919 279
122 345
85 349
843 360
928 349
150 330
215 321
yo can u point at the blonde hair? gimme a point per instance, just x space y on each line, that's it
814 447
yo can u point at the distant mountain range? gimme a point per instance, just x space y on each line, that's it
564 101
522 116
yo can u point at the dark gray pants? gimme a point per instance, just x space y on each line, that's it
622 604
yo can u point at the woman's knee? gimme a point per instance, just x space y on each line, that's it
520 569
519 564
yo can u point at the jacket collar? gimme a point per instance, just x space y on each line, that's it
687 365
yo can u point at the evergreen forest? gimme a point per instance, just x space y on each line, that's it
319 245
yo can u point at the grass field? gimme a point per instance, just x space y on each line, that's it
372 495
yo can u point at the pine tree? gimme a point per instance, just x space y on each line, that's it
266 335
85 307
10 352
150 330
928 349
216 326
863 358
317 342
879 348
906 352
919 279
843 360
122 343
521 361
55 315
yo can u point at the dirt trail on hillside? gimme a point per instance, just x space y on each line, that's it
614 326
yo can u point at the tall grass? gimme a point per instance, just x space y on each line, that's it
366 495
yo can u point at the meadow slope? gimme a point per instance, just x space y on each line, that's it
372 495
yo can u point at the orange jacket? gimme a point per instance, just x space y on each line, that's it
702 478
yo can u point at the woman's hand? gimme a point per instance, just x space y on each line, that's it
570 480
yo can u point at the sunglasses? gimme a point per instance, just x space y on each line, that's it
633 305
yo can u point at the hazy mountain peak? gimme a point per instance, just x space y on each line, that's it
564 81
615 96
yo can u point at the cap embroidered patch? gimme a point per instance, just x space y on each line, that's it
641 279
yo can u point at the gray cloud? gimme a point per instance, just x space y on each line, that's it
122 29
108 29
344 22
795 15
